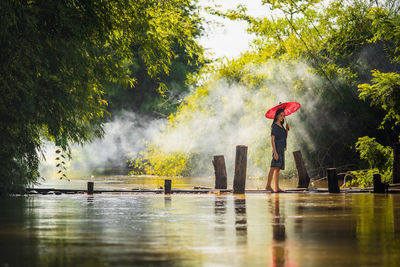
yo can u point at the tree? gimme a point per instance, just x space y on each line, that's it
58 60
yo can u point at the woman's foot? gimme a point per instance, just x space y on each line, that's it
279 191
269 188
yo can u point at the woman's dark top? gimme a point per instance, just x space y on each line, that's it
280 136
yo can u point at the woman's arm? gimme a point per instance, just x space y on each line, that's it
276 157
287 129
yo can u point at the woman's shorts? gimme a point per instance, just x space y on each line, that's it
281 159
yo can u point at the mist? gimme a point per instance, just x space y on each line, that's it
224 115
124 137
231 114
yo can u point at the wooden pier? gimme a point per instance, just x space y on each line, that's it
53 191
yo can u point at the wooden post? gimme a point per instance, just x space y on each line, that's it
167 186
333 186
90 188
396 163
379 187
304 178
239 180
220 172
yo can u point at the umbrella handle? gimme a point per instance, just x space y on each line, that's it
287 121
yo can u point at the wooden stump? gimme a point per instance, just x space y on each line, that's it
90 188
167 186
379 187
304 178
220 172
333 186
239 180
396 163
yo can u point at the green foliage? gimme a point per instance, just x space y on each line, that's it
379 158
159 96
155 162
58 60
364 178
384 93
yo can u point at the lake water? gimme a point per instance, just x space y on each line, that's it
291 229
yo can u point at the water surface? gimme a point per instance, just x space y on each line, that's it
200 230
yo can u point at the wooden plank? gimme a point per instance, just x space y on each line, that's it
200 191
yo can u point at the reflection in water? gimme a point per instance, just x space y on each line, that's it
240 219
220 211
200 230
90 200
167 201
17 243
300 203
396 217
219 207
279 250
376 229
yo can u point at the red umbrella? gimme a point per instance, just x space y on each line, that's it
289 108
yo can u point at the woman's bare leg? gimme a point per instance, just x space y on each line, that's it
276 176
270 174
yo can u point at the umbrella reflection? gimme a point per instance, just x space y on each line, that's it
241 219
279 251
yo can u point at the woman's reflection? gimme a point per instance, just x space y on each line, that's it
279 251
240 219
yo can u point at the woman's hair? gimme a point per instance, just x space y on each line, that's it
278 111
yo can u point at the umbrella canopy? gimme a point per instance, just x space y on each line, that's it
289 108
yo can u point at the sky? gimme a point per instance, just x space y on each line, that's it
229 39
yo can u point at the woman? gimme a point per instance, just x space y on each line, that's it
278 141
